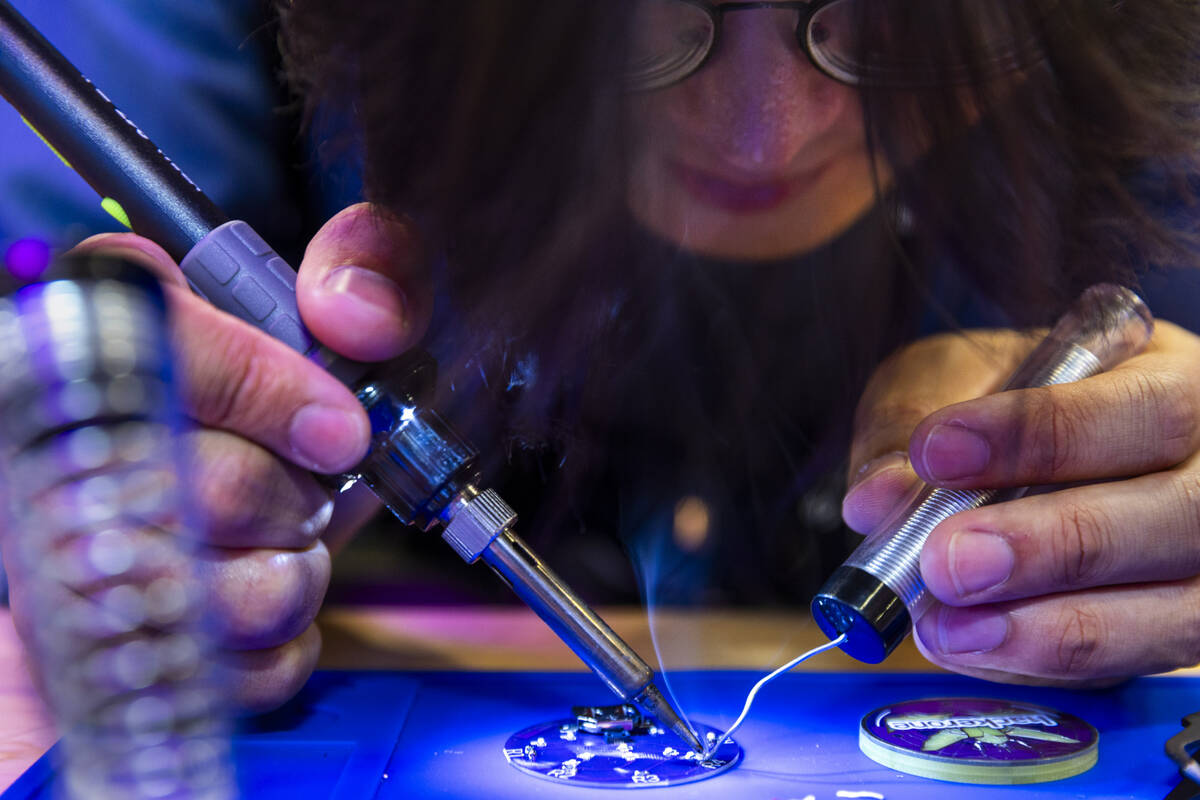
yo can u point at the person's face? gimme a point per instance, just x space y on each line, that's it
757 155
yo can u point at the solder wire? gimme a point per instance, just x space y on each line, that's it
737 723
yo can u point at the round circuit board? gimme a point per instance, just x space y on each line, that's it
561 751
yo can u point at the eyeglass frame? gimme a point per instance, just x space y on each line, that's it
716 13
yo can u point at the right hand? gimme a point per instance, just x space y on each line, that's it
265 419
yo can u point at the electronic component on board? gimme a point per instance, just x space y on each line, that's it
1183 748
617 747
621 721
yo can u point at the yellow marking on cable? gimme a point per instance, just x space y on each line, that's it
114 208
43 138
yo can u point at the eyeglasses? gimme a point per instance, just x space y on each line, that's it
889 43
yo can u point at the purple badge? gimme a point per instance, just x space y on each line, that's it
976 740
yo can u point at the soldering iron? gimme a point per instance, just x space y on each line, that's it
417 465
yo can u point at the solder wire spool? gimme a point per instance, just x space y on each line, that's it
876 594
979 740
97 515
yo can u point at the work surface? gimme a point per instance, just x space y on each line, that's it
440 731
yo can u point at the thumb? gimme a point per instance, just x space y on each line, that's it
364 286
909 386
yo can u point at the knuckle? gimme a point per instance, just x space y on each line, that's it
1188 488
230 483
1187 500
262 680
887 372
244 374
250 497
895 413
1048 441
1080 642
1082 546
1189 653
264 598
1173 412
887 426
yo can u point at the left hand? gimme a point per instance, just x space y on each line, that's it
1091 583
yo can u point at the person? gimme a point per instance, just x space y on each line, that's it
662 247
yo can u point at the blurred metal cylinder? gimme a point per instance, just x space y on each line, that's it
97 530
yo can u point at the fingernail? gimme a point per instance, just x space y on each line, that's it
378 293
968 630
867 501
896 458
952 452
316 524
325 439
979 561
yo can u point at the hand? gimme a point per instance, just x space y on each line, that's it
266 418
1091 583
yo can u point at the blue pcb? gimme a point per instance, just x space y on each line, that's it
392 735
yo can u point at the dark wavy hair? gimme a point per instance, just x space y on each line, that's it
501 125
1078 168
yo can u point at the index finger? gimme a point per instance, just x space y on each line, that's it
237 378
1139 417
910 385
924 377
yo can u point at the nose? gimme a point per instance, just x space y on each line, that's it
759 101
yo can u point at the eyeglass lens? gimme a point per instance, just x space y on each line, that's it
854 41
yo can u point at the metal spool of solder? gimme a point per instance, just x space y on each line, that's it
876 594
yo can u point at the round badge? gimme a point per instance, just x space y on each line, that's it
976 740
563 752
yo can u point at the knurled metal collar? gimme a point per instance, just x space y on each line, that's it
477 522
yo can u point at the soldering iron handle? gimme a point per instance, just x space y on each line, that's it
97 141
239 273
225 261
876 594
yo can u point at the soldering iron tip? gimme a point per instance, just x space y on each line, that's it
685 732
652 701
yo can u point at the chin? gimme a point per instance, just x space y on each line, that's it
740 245
780 234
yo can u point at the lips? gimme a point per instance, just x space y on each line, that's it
739 196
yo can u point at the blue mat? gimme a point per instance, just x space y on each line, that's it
441 734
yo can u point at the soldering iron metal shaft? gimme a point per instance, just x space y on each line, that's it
583 631
875 596
417 465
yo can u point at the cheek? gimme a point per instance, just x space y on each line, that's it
648 117
795 111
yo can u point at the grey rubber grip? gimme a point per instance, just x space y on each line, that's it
238 272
